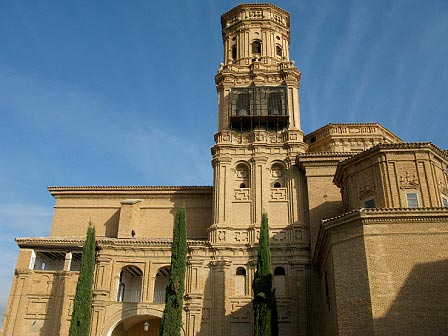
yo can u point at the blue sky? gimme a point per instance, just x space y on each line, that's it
122 93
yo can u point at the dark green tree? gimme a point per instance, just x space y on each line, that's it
265 307
172 315
82 304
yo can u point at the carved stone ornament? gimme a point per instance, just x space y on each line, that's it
241 237
366 190
242 194
298 234
221 236
408 181
279 235
443 189
278 194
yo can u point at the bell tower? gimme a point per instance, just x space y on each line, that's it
259 132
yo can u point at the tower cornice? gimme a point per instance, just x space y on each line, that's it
258 74
255 13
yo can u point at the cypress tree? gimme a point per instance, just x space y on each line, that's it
172 315
82 304
265 308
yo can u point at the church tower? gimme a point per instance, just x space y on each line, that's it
256 145
259 132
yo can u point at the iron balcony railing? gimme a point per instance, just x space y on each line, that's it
159 296
130 296
263 106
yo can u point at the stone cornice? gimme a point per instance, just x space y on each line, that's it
365 217
385 148
397 146
128 190
331 126
266 4
56 242
307 160
229 138
394 213
257 73
61 242
235 11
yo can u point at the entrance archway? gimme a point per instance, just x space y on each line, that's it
135 326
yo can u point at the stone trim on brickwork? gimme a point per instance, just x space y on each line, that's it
79 241
330 125
390 212
370 216
384 148
89 189
241 6
404 145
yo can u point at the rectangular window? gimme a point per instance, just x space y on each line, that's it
370 203
32 260
444 202
412 200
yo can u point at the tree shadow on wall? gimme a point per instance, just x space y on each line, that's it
54 309
421 306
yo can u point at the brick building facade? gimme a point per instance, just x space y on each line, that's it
358 221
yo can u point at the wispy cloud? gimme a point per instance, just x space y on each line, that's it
160 155
22 219
62 118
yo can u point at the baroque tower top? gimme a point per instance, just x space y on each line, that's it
259 31
257 83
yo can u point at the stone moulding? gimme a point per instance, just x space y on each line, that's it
127 190
377 212
101 241
370 216
404 145
384 148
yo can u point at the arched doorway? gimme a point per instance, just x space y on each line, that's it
136 326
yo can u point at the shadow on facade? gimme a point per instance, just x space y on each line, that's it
323 211
111 225
132 322
215 320
55 306
237 317
420 307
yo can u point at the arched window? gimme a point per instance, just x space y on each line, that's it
130 284
162 277
240 281
234 52
160 284
279 271
256 47
275 103
242 178
240 271
278 175
278 51
279 281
